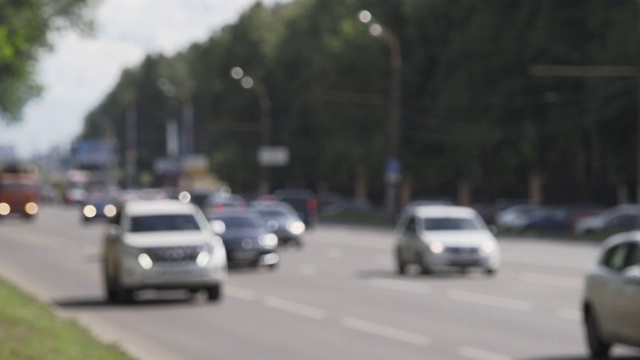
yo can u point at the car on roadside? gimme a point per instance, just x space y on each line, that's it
435 237
162 244
514 218
282 220
615 219
246 238
611 305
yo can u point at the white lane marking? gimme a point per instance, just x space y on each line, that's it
308 269
569 314
362 244
526 259
295 308
479 354
490 300
335 253
552 280
399 285
385 331
240 293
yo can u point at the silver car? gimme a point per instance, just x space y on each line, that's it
612 295
445 236
162 244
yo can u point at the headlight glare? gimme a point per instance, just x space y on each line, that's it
5 209
436 247
488 246
110 210
203 258
296 227
145 261
89 211
31 208
269 241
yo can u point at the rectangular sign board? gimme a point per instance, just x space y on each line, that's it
269 156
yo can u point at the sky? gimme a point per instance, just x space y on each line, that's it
82 69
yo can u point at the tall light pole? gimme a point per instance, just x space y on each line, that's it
392 171
248 82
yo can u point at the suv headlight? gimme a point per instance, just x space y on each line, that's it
488 247
269 241
145 261
436 247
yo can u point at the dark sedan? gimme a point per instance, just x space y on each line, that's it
98 207
246 238
282 219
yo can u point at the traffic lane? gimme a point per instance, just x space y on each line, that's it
362 325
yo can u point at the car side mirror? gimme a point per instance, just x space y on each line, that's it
493 229
631 275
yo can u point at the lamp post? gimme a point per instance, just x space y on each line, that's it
249 83
392 171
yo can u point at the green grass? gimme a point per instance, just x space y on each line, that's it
30 330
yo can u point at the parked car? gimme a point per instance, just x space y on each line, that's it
546 219
617 218
611 305
515 217
303 201
162 244
445 236
282 220
246 238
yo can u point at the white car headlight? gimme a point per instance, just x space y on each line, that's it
488 247
145 261
436 247
269 241
203 258
110 210
296 227
89 211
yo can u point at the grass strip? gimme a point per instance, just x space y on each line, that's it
30 330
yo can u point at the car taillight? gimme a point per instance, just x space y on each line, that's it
218 208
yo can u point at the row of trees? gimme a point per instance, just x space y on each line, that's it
472 112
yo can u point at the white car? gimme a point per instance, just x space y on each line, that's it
162 244
612 295
445 236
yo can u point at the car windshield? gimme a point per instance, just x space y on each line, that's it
178 222
449 223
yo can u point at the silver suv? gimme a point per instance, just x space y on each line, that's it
162 244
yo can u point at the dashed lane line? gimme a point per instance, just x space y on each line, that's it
385 331
490 300
295 308
399 285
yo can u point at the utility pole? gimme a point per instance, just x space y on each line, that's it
132 146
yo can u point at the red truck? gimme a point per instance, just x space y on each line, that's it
18 194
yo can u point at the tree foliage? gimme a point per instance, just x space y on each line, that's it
25 26
471 109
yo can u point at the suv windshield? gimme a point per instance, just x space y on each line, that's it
449 224
164 223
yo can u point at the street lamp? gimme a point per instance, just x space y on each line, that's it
392 171
249 83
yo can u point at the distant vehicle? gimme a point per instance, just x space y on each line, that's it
218 202
547 219
75 196
617 218
445 236
246 238
99 206
162 244
612 296
515 217
304 201
18 194
282 220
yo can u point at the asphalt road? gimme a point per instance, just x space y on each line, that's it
338 298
